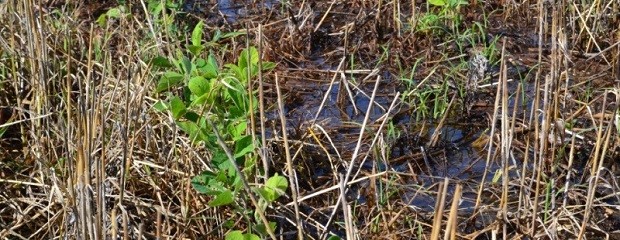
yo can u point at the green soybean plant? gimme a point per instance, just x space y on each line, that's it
200 92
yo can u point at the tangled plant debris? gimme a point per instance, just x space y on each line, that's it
309 119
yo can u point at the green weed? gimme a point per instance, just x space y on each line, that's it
208 93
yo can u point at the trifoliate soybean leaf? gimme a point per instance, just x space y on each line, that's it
177 107
197 34
169 80
222 177
198 85
222 199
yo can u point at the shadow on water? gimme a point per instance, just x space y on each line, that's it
231 10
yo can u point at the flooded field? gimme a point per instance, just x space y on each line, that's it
398 120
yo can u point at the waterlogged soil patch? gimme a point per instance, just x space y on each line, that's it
330 57
404 120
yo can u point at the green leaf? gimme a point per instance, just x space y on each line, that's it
237 72
239 98
216 36
243 146
232 34
238 235
222 163
102 20
237 129
274 188
209 183
199 86
160 106
211 69
155 8
114 12
197 34
219 157
260 228
278 183
201 182
192 116
160 61
207 68
333 237
235 235
456 3
250 236
268 66
439 3
195 133
200 100
222 199
169 80
252 53
177 107
187 65
195 50
266 194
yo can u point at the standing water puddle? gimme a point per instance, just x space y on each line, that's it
326 146
453 155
